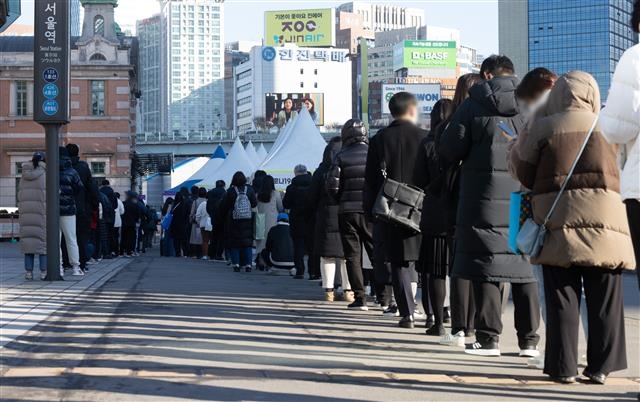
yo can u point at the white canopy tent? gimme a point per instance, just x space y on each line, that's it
183 170
262 153
300 142
212 165
250 149
237 160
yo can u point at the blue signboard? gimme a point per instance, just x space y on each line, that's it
50 91
268 53
50 107
50 75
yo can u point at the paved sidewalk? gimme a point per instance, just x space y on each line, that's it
170 329
24 304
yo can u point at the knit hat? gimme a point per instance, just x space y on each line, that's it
283 217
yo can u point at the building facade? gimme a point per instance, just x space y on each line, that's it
235 53
103 81
513 33
150 74
76 21
192 66
271 75
384 17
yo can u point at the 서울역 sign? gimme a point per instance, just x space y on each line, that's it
309 28
292 54
51 62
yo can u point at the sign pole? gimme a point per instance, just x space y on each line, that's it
52 47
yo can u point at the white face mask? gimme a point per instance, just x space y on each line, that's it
530 108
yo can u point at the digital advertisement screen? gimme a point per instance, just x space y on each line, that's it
281 107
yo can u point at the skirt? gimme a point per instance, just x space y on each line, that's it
436 255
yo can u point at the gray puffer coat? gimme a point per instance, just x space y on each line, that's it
31 204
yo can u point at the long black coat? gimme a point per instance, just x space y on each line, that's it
481 236
327 241
295 200
434 212
239 232
401 147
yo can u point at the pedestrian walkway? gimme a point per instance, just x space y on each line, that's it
24 304
182 329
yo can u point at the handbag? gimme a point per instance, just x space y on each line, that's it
398 204
168 218
259 226
531 236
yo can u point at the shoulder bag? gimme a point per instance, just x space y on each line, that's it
531 236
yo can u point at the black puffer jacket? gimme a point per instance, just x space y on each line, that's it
345 180
295 200
86 200
327 241
279 245
472 137
70 187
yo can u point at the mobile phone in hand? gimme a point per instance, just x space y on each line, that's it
507 131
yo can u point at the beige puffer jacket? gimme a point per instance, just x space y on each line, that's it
32 207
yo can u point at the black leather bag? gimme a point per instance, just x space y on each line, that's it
399 204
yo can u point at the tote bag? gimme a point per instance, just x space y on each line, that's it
259 226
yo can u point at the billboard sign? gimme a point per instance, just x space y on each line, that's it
51 58
276 104
427 94
307 28
437 58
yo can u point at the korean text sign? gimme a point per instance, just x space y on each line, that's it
308 28
51 62
426 54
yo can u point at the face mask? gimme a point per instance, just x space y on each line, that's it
530 108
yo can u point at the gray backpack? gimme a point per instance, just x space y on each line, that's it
242 206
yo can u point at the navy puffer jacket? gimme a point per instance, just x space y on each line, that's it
70 187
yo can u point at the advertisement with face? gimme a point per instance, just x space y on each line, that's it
280 108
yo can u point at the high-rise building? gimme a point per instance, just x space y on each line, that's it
191 60
76 22
588 35
383 17
150 72
513 33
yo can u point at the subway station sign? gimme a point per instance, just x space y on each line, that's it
438 56
51 62
305 28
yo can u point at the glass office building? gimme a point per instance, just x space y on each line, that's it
588 35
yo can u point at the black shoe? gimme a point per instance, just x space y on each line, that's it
563 380
406 322
358 304
596 378
247 269
391 311
298 276
107 257
483 349
436 330
447 315
315 278
236 268
431 320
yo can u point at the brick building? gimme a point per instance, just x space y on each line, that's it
102 101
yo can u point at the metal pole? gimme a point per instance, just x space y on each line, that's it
52 132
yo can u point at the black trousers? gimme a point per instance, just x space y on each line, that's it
606 350
488 322
83 232
355 232
633 214
115 240
403 275
381 268
128 239
299 251
463 306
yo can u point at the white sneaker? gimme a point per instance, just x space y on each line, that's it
419 315
367 290
61 272
292 272
43 275
205 258
531 351
91 262
457 339
536 362
28 275
77 271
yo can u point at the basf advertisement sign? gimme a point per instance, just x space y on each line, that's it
427 94
435 59
305 28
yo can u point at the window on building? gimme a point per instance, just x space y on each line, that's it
21 98
97 98
98 168
98 25
97 57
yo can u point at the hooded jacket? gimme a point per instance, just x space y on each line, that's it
620 120
279 246
345 180
87 199
295 200
70 187
473 138
32 207
589 226
327 241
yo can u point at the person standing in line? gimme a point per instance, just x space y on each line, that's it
346 182
178 224
32 218
167 248
620 122
258 179
203 220
195 236
482 254
269 205
588 242
398 151
116 247
106 216
70 187
295 200
237 208
130 221
86 203
106 189
214 198
328 243
461 295
436 240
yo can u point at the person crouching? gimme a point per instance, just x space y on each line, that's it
278 252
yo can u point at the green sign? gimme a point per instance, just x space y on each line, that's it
304 28
426 54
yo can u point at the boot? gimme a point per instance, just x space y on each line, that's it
329 296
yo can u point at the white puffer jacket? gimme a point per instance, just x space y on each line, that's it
620 120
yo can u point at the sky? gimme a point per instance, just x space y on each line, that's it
477 20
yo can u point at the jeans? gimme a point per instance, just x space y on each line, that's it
241 256
29 261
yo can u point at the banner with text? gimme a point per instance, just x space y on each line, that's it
308 28
427 94
435 58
